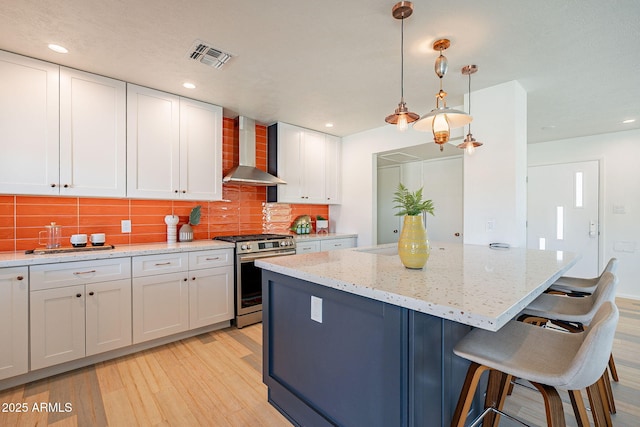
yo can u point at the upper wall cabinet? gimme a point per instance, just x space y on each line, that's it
174 146
65 130
309 162
29 98
92 135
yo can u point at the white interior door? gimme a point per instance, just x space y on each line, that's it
562 212
388 223
442 180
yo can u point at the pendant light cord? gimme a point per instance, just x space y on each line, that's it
402 59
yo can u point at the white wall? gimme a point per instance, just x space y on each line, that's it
620 184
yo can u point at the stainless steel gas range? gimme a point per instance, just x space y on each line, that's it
248 282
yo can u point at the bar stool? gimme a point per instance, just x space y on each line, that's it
573 314
547 358
580 286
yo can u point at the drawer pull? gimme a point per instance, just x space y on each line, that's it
213 259
91 293
78 295
77 273
20 277
337 244
158 264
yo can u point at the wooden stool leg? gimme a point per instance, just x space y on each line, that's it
612 368
552 405
608 392
578 408
597 408
474 373
605 400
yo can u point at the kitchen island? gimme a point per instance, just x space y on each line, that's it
352 338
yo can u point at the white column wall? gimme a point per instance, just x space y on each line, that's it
495 194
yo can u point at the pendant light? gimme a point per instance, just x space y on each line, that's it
469 144
441 119
402 116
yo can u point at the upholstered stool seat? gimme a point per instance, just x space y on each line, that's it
547 358
576 285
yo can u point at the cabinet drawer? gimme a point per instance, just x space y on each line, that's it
307 247
213 258
333 244
51 276
150 265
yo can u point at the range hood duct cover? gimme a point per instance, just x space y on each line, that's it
246 172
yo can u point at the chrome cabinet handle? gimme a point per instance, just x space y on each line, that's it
158 264
212 259
77 273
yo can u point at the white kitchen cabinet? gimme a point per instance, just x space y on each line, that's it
333 170
160 306
160 295
307 247
29 98
92 135
174 146
210 296
65 130
78 309
340 243
57 326
309 162
211 277
14 321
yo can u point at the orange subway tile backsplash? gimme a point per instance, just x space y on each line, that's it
22 217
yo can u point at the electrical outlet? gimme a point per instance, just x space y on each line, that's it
316 309
126 225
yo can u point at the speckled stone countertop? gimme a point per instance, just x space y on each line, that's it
469 284
14 259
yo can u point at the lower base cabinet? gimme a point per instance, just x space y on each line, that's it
160 306
14 321
72 322
210 296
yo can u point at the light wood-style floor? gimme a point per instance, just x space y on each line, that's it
215 380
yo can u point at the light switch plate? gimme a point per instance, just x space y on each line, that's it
316 309
126 225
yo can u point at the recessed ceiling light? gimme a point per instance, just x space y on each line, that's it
189 85
628 121
58 48
328 125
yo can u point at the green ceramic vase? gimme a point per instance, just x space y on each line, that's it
413 246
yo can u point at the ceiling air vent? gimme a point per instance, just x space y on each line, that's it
208 55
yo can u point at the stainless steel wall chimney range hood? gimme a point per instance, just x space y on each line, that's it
246 172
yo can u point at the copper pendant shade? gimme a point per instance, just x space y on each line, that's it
402 116
469 144
442 118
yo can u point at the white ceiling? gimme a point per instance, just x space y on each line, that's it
312 62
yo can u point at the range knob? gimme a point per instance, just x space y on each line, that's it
283 243
244 247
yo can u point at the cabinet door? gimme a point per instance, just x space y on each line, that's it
92 135
289 166
200 150
160 306
333 169
29 122
153 143
57 326
14 321
210 296
313 162
108 316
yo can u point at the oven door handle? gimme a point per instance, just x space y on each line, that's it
249 258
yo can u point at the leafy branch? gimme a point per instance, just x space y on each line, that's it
411 203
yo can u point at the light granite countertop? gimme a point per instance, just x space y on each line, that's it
469 284
14 259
